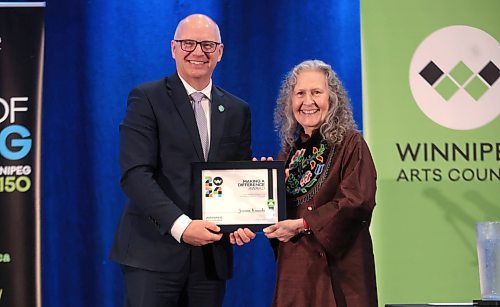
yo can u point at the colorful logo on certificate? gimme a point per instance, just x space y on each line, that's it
213 187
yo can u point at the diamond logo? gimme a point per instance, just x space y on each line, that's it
431 73
461 77
490 73
461 73
454 76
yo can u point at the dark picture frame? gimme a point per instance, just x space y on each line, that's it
275 175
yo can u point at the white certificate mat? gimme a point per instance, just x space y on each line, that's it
240 194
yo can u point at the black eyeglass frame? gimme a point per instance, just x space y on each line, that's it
181 41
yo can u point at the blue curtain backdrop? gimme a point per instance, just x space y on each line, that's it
95 52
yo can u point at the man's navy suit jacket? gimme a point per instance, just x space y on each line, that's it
159 141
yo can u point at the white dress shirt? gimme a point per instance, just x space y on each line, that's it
183 221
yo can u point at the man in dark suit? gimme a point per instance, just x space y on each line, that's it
168 258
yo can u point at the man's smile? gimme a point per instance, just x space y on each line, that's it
197 62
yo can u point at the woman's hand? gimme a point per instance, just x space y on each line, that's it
241 236
284 230
287 171
263 159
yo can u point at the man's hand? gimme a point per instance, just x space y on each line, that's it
200 233
284 230
241 236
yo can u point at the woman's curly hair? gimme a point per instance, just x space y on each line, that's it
338 120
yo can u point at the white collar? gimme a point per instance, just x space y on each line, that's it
207 91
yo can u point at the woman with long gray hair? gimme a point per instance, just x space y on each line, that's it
325 255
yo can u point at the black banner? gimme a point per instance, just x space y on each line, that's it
21 67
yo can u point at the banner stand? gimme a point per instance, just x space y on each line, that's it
21 70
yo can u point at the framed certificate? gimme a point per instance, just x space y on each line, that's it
240 194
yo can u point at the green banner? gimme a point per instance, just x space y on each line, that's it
431 94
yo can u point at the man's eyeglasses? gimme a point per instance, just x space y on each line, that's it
189 45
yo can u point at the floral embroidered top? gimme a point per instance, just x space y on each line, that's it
306 163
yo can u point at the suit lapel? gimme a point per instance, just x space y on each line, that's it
218 111
177 92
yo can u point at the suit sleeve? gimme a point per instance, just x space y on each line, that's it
246 136
337 223
139 163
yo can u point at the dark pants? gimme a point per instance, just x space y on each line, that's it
191 287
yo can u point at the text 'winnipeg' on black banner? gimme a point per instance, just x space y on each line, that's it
21 69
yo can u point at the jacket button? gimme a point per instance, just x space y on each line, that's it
309 208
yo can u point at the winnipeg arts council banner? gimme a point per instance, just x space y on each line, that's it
21 60
431 94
